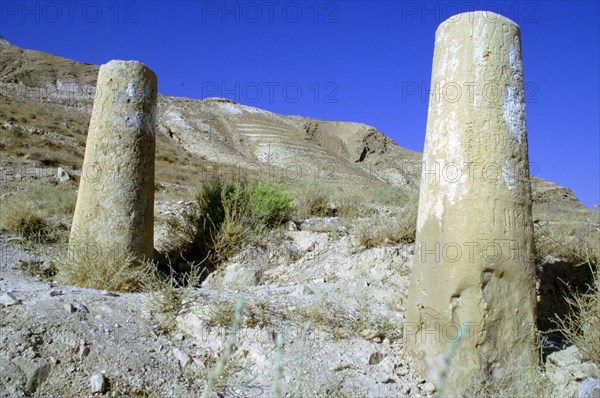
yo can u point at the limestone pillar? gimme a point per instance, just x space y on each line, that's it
473 268
115 203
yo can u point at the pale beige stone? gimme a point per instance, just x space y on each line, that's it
115 204
473 267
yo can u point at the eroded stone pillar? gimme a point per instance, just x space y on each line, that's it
115 203
473 268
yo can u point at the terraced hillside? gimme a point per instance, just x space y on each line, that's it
45 106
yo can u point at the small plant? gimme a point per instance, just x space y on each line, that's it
221 315
17 131
278 371
300 358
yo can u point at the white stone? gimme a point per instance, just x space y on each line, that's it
183 358
8 299
98 384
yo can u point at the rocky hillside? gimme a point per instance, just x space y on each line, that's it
216 132
206 137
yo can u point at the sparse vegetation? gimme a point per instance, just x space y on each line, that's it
381 230
35 213
581 326
518 381
570 236
575 238
219 368
225 215
331 316
42 270
311 202
166 292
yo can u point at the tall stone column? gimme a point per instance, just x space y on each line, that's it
471 303
114 214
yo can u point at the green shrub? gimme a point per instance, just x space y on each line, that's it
270 203
225 215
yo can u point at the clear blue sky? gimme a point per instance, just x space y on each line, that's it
339 60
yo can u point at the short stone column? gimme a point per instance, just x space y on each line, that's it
114 214
473 269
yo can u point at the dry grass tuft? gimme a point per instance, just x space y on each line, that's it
86 264
520 381
310 202
385 230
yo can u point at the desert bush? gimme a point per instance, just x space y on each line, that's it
270 203
225 215
228 239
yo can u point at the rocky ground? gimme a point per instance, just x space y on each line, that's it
339 312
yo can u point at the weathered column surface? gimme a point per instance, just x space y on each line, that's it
115 204
473 268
